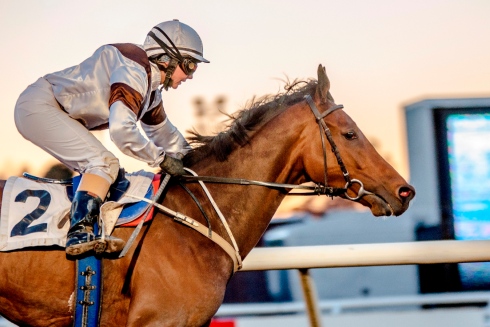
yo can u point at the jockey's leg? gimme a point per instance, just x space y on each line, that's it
85 212
40 119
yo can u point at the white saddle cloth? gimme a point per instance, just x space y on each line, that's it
33 213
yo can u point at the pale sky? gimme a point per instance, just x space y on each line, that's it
379 55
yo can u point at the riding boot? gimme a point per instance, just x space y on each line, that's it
84 213
81 238
111 244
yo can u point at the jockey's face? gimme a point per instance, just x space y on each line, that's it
178 77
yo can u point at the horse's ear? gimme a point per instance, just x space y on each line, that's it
323 85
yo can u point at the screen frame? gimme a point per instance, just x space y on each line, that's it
440 117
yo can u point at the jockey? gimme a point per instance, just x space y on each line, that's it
115 88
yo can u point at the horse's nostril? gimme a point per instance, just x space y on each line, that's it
405 192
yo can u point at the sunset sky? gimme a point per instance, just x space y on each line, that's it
379 55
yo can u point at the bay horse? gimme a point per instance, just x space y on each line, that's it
173 276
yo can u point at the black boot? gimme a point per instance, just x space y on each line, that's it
81 238
84 213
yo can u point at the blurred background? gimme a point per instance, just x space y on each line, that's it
382 57
379 55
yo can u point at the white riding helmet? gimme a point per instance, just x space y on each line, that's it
185 41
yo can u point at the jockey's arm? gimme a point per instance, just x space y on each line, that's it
125 134
166 136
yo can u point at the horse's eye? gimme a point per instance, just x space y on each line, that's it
351 135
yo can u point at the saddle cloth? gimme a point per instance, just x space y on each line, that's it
37 214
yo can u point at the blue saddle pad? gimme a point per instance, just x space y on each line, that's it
130 212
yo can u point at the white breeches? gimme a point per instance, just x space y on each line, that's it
40 119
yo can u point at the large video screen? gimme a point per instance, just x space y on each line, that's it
468 155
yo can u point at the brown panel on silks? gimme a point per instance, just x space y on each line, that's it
127 95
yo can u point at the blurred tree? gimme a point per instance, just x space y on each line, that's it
210 119
24 168
59 171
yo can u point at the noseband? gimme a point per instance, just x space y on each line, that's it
326 131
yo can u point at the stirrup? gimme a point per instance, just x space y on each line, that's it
80 248
110 244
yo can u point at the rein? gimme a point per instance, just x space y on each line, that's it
318 189
232 249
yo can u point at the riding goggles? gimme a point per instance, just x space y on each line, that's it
188 66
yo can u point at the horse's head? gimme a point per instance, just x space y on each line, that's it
370 179
278 139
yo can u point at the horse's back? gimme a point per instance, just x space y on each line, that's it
173 265
31 277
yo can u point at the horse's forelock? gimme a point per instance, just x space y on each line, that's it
245 122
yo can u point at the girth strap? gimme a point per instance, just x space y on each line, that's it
181 218
237 264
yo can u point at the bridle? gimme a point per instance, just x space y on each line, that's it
322 125
318 189
232 249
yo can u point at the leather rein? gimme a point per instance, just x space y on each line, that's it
317 189
232 249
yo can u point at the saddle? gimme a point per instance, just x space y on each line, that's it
35 211
132 213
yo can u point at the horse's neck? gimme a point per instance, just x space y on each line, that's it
249 209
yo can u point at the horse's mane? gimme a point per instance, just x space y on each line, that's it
243 123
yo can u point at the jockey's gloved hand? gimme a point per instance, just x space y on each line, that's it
172 166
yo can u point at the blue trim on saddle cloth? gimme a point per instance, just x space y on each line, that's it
116 191
89 291
130 212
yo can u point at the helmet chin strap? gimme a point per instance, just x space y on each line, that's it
169 71
174 54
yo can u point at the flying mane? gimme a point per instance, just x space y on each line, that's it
191 271
246 121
